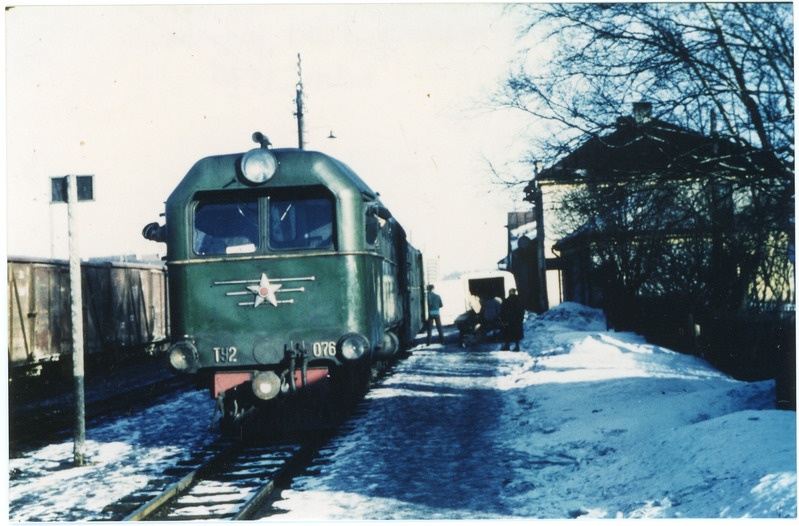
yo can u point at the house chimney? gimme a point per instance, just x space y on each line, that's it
713 124
642 112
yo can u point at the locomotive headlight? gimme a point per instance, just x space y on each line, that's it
352 346
266 385
258 166
183 357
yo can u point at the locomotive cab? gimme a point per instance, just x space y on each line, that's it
285 270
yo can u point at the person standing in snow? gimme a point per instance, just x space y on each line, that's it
512 316
434 305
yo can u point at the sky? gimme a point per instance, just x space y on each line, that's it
134 95
582 423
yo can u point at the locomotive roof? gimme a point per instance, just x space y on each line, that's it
295 167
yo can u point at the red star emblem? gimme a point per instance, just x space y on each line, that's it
264 291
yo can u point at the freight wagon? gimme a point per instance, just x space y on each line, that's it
125 313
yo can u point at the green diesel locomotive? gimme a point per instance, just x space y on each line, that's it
290 283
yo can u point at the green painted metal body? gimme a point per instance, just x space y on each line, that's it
351 286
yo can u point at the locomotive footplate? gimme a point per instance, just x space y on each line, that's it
313 405
226 381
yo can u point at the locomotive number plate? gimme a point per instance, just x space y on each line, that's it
225 354
324 349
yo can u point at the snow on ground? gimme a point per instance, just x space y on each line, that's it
583 423
121 457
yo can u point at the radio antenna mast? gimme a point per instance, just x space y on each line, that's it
299 103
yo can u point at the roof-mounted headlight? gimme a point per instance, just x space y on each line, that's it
258 166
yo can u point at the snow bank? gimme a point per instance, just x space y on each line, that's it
571 315
648 432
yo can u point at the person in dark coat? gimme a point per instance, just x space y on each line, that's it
512 316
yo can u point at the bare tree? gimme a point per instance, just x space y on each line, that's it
729 66
723 69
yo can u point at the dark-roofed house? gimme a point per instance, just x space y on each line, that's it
668 229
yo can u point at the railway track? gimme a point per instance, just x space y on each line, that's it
232 485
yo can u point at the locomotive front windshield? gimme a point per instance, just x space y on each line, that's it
226 227
300 223
279 222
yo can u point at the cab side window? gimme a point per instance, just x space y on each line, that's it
377 217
